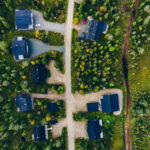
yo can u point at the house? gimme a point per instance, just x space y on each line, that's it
96 28
40 133
93 107
23 19
94 129
39 73
52 107
110 103
20 48
24 102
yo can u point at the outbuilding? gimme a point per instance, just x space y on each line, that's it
93 107
52 107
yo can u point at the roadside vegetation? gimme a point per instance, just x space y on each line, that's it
16 77
139 77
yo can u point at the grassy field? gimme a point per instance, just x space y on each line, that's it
139 79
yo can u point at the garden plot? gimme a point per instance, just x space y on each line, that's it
36 48
41 24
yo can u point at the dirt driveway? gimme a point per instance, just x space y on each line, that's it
80 129
57 128
56 76
80 101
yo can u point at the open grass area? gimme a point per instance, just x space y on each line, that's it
139 78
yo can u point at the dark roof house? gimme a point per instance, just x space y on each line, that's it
24 102
94 129
23 19
93 107
20 48
110 103
40 133
96 28
52 107
39 73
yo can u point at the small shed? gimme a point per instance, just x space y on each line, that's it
40 133
39 73
52 107
93 107
20 48
110 103
24 102
96 28
23 19
94 129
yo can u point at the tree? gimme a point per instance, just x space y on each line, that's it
3 46
4 22
1 99
75 21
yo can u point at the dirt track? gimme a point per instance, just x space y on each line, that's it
125 71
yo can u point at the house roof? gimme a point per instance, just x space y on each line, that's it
94 129
93 107
39 133
19 47
23 18
52 107
95 29
110 103
39 73
24 102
